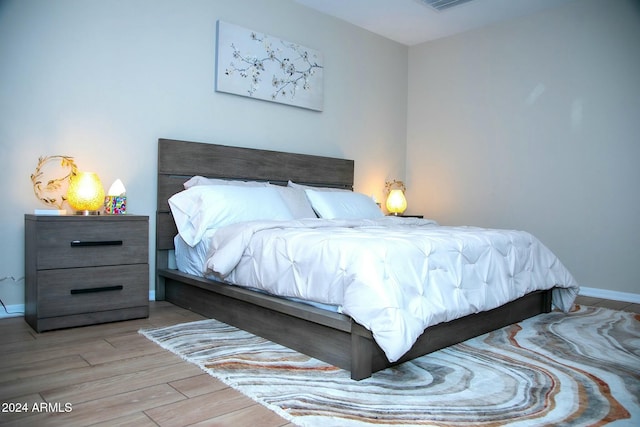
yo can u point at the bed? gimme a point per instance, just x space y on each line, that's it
327 335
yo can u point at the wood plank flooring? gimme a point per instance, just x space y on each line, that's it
106 375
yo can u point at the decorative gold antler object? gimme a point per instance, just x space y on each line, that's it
46 192
395 184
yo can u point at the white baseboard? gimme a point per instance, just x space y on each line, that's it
612 295
17 310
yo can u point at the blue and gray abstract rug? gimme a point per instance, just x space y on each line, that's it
578 369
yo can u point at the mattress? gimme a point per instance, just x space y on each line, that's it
191 260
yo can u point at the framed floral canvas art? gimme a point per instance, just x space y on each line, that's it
261 66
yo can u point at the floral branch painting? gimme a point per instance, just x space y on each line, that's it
265 67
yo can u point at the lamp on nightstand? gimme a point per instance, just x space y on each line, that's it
85 194
396 202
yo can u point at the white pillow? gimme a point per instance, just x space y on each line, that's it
201 180
343 205
294 198
297 202
205 207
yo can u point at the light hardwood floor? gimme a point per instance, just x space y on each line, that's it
111 375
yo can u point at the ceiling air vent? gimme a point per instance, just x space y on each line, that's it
441 5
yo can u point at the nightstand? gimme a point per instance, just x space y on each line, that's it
83 270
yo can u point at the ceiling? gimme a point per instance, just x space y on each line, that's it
411 22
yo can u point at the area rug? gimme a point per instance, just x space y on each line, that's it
575 369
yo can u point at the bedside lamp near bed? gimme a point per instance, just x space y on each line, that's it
85 194
396 202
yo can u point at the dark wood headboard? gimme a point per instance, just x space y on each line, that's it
180 160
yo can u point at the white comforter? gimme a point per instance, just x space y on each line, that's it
394 276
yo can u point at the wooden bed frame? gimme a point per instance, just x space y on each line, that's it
332 337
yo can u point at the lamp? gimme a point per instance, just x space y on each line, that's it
116 201
85 194
396 202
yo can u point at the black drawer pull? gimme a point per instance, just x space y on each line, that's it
77 243
93 290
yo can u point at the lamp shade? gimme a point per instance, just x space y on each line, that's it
85 194
396 202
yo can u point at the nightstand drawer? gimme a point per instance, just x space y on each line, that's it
85 290
91 243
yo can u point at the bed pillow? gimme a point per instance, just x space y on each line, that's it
297 201
343 205
206 207
201 180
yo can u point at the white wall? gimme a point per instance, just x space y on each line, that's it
534 124
102 80
529 124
